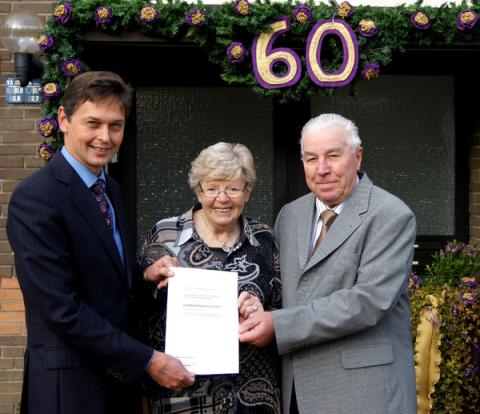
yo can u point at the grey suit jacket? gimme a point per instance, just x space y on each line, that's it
344 330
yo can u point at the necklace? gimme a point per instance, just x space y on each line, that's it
225 247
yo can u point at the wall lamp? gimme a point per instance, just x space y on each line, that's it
19 33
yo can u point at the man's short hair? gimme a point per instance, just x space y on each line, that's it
325 121
97 86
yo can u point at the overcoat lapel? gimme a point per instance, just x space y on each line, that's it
346 223
86 206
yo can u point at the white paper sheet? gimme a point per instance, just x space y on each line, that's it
202 320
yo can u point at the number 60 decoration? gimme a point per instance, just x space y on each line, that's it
264 56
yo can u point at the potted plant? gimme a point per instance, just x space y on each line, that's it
446 331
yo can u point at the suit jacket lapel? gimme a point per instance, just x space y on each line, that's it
304 226
121 222
87 207
346 223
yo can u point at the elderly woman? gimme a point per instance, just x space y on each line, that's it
215 235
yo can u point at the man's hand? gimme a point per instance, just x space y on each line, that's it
159 271
248 304
169 372
258 329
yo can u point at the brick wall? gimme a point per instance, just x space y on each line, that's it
18 143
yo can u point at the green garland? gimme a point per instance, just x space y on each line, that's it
223 26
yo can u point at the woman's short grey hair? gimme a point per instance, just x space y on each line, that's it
223 161
325 121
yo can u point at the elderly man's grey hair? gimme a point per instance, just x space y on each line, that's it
325 121
223 161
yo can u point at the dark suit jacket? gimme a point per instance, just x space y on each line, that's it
77 296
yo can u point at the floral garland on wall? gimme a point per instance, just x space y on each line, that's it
227 31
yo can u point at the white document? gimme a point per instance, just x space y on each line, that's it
202 320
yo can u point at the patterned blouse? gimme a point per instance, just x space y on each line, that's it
256 389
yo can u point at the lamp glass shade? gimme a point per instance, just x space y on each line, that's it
19 33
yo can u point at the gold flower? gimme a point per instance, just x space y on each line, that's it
467 17
148 14
344 9
421 18
50 88
60 10
198 18
242 7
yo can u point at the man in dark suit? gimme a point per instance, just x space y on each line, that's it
344 330
76 267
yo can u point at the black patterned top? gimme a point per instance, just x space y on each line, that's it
256 389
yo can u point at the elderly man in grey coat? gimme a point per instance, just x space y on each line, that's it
344 330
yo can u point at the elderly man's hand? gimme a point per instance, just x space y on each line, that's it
258 329
159 271
169 372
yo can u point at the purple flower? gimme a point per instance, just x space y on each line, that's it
345 9
102 15
236 52
45 151
51 90
468 282
371 71
302 14
420 20
468 298
413 281
62 13
367 28
473 369
466 20
241 7
47 127
196 17
148 14
72 68
468 250
46 43
457 248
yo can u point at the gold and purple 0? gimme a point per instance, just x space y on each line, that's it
348 69
264 57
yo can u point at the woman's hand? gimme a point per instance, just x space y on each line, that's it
159 271
248 304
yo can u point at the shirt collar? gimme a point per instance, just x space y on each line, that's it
87 176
